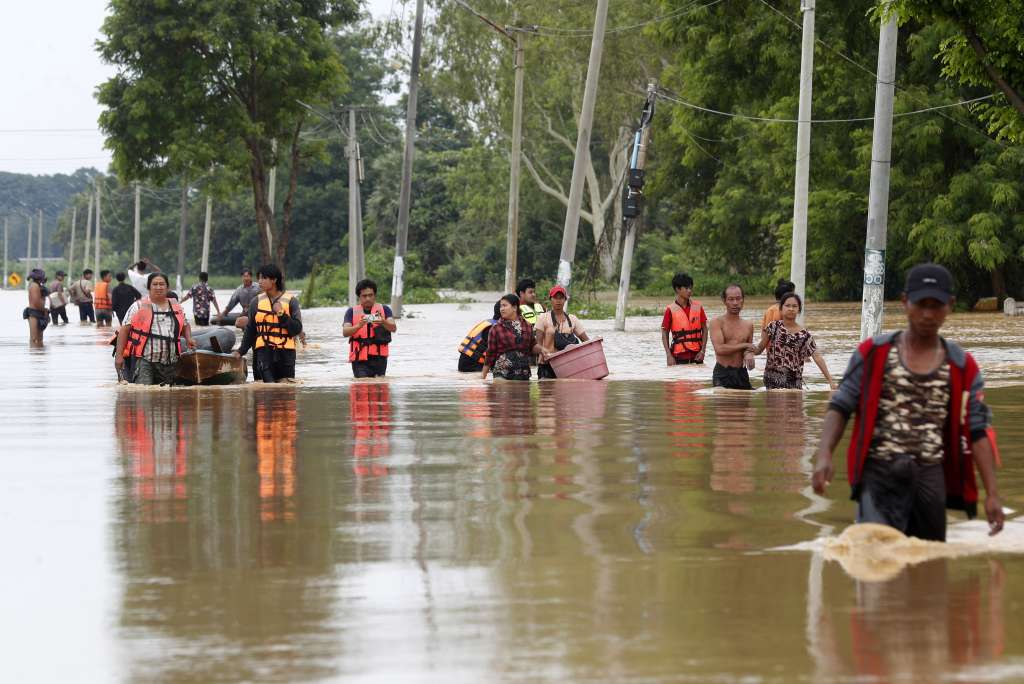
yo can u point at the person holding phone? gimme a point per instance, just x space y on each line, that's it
368 327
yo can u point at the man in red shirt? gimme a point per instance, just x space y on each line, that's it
687 323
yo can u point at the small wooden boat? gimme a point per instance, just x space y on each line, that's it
203 367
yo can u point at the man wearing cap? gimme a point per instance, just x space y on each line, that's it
921 425
58 299
556 329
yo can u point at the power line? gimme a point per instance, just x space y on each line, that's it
583 32
50 130
766 119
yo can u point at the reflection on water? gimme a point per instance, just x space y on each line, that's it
432 527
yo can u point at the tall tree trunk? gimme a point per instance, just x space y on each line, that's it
998 278
258 178
289 200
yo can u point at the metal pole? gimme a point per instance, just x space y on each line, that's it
353 219
71 249
798 255
88 236
181 235
512 239
572 214
138 223
878 196
405 196
207 228
632 215
96 237
361 258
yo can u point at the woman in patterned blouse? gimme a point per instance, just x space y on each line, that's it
510 343
789 346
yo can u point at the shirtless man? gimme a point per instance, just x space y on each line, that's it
733 339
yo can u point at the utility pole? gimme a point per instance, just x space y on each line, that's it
798 254
138 223
572 214
352 152
361 257
271 191
405 195
71 249
516 35
96 237
39 240
207 228
88 235
632 214
878 195
181 234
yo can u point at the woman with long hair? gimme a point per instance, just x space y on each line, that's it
509 343
789 346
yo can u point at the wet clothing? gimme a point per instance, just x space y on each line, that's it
508 349
968 418
787 353
730 377
81 296
101 297
85 311
905 494
156 331
148 372
684 339
273 337
39 314
566 332
104 316
122 297
243 296
912 412
58 313
202 295
772 313
473 347
372 367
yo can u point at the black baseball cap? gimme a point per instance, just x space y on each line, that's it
929 281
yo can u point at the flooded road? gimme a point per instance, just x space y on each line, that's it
435 527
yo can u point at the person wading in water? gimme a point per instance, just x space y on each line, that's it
36 313
790 347
274 322
556 330
921 422
151 337
368 328
732 337
510 343
687 323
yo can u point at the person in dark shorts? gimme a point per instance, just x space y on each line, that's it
368 327
202 296
921 424
35 313
732 338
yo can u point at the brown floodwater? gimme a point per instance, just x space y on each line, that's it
436 527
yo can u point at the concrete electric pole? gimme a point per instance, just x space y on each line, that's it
88 237
207 229
572 214
138 223
798 255
182 226
878 195
96 238
405 194
71 248
352 152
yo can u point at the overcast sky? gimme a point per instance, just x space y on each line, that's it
47 110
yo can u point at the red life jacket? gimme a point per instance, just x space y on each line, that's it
142 323
370 340
957 461
687 331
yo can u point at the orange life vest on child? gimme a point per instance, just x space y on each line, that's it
370 340
687 333
142 323
101 296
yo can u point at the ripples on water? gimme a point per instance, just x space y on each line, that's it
433 527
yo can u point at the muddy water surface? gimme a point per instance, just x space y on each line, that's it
434 527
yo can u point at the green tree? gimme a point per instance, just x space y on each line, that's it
984 47
204 82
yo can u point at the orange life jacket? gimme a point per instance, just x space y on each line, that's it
101 296
142 323
370 340
687 333
270 329
474 345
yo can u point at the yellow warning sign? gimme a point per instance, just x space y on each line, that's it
14 280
